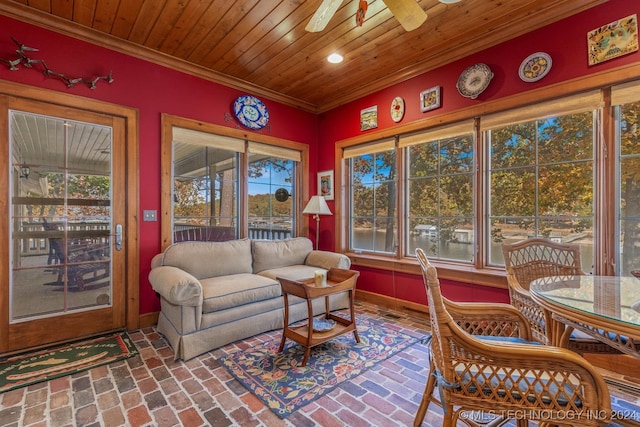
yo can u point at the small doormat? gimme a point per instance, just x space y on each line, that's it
43 365
284 386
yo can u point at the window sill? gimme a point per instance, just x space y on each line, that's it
493 277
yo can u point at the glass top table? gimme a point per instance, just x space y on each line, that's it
604 307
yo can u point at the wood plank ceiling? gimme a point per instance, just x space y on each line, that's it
262 47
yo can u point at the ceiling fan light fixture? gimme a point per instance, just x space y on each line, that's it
335 58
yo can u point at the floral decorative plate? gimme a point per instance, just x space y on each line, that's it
397 109
474 80
323 325
251 112
534 67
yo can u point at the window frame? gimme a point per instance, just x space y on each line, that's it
300 223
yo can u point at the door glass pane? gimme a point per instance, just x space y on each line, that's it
61 216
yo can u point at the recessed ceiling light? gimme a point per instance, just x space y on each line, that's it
335 58
449 1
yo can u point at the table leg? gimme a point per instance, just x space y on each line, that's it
307 351
286 322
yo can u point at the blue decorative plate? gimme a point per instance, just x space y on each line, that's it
251 112
323 325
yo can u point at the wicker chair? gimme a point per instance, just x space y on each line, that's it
532 259
507 377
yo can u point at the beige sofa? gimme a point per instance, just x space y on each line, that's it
214 293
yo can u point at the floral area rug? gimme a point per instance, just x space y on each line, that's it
30 368
285 386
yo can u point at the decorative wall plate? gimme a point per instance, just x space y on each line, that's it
474 80
397 109
534 67
251 112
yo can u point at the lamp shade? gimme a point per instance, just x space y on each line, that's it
317 205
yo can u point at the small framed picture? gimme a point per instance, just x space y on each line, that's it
325 184
430 99
369 118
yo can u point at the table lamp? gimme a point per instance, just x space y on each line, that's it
317 206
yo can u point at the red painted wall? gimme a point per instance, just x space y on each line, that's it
153 90
565 41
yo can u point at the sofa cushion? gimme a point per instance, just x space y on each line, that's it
220 293
269 254
293 272
210 259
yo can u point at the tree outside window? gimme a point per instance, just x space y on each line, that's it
541 183
440 188
373 202
629 187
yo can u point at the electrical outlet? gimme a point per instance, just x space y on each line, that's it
149 216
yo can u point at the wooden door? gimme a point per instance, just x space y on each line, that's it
63 255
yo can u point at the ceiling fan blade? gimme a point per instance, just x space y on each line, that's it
323 15
407 12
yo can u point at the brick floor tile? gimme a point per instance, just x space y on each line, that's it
140 373
216 417
131 399
165 417
87 415
60 416
179 401
325 418
203 400
244 418
113 417
138 416
228 401
34 413
59 400
169 386
351 419
58 384
108 400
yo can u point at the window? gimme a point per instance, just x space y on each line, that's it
537 171
541 175
626 103
373 219
271 171
221 186
439 192
205 186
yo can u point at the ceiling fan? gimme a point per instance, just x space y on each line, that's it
407 12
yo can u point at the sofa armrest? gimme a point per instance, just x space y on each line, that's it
176 286
156 261
326 260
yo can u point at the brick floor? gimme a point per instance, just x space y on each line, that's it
154 390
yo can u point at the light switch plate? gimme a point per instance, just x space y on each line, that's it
149 216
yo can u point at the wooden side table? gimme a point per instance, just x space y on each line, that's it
338 280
